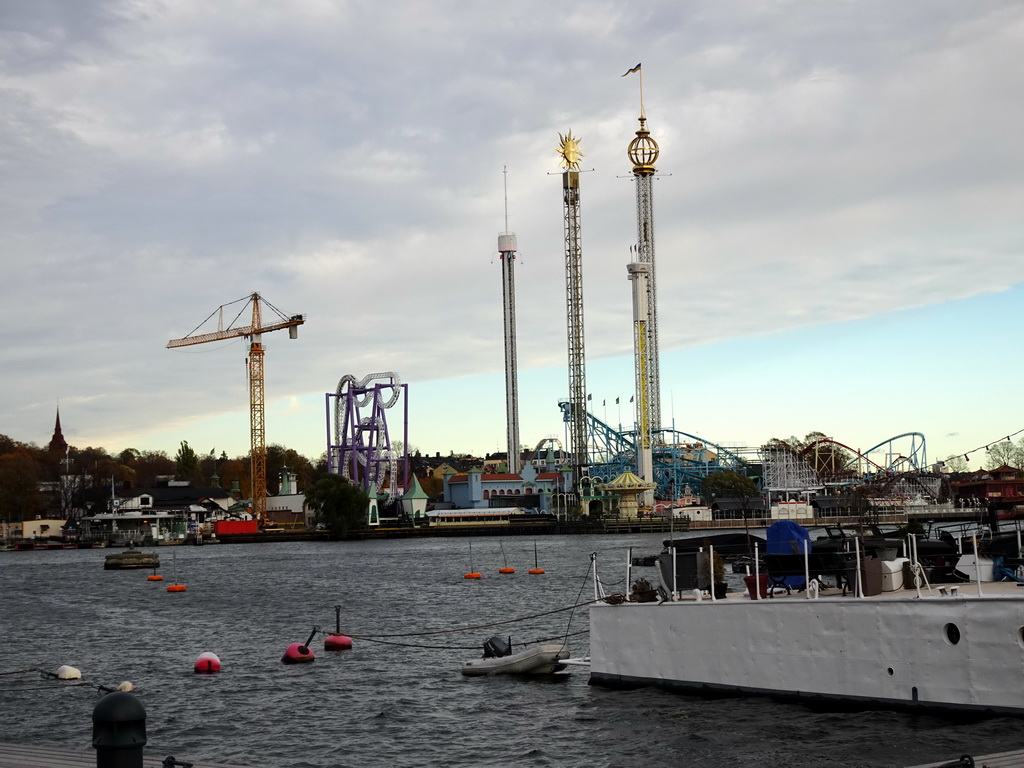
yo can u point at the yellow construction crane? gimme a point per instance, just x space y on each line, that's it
253 331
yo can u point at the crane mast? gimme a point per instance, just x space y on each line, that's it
257 427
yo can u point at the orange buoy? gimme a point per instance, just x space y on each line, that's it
155 577
473 575
176 588
506 569
536 568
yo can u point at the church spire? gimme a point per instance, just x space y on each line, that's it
57 443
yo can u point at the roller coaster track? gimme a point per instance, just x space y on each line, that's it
679 457
861 467
360 448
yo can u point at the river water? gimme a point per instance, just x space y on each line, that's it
404 703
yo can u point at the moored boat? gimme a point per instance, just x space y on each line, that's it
498 659
889 642
130 558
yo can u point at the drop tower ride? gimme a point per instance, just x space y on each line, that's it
507 248
643 152
576 411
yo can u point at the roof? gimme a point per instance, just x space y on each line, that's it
176 493
627 481
415 491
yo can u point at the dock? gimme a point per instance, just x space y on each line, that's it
1012 759
45 756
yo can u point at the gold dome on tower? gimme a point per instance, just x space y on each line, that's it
643 150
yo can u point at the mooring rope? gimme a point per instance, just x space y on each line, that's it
477 626
46 675
578 596
471 647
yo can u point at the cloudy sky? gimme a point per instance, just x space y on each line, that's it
838 208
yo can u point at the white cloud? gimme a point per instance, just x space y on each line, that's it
820 164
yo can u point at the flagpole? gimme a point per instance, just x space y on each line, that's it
640 72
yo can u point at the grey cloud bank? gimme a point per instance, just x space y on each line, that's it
821 163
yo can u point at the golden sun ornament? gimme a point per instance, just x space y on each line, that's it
569 149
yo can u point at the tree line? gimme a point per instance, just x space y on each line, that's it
37 481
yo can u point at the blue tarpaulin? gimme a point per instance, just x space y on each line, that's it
785 537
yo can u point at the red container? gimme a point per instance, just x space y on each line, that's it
235 526
762 579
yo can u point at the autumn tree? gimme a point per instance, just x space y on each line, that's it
147 466
232 471
279 457
20 497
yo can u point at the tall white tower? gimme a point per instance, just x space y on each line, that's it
507 249
643 152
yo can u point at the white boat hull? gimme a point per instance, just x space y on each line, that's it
536 660
894 649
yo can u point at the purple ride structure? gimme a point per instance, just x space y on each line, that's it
359 438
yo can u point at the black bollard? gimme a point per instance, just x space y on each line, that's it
119 731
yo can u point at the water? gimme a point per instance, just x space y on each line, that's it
403 704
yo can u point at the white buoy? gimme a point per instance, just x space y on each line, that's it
64 672
126 686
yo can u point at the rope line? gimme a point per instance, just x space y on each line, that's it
477 626
46 675
472 647
578 596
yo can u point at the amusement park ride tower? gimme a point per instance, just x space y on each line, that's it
639 273
576 414
507 249
643 152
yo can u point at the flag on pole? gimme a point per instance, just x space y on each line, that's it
631 71
604 403
590 397
631 399
616 401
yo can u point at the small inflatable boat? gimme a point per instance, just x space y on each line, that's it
498 659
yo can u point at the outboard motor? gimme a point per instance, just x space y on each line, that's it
495 648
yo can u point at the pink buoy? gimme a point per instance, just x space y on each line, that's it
297 653
207 664
336 642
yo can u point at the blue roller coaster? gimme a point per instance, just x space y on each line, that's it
680 458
